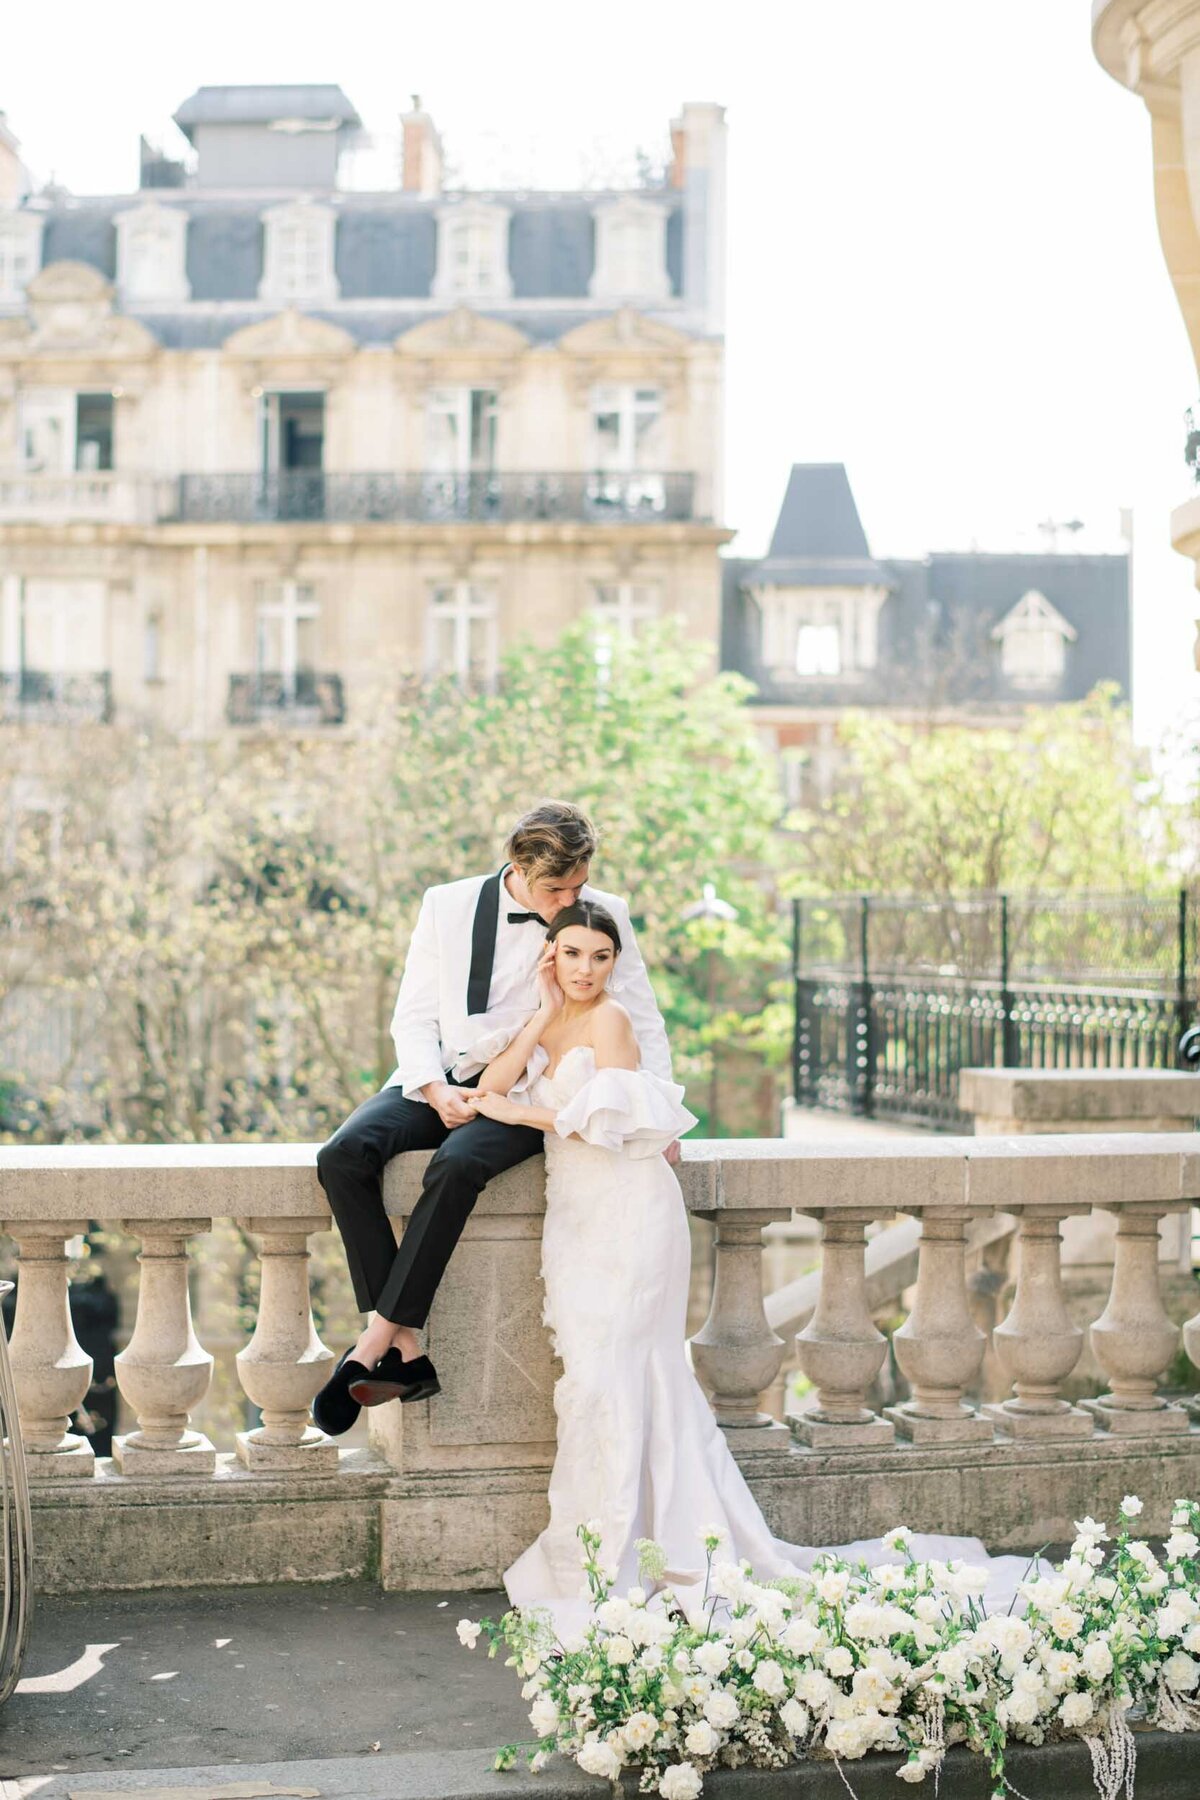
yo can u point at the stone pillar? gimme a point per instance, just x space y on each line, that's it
1038 1345
51 1373
735 1353
285 1362
163 1372
1133 1339
939 1347
840 1349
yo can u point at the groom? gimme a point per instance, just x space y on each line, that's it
469 982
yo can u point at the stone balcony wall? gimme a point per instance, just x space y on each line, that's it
450 1490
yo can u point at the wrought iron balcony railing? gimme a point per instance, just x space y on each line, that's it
37 697
311 494
305 698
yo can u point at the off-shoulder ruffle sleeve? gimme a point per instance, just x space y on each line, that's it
626 1109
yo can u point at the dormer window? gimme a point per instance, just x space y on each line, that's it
818 650
472 253
1033 639
298 267
151 256
20 254
631 259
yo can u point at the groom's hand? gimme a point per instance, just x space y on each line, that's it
449 1103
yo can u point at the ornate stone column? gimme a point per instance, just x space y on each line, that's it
736 1354
285 1362
163 1372
51 1372
840 1349
1037 1345
939 1347
1133 1339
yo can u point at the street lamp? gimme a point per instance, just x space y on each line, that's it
710 906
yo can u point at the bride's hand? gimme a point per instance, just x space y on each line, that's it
498 1107
550 995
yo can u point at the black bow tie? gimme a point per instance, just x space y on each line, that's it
519 918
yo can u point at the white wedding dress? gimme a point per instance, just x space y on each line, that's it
638 1447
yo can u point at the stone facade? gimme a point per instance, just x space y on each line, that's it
262 453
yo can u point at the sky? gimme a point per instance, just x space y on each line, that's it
943 264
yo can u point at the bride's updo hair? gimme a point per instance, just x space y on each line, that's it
590 914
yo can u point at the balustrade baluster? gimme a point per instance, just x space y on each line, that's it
1133 1339
285 1362
1038 1345
51 1370
939 1347
163 1372
840 1349
735 1353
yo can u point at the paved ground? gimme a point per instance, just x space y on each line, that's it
819 1123
345 1693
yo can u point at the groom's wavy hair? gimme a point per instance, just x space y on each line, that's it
591 914
551 841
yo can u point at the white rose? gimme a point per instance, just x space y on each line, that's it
543 1716
712 1658
680 1782
768 1679
701 1739
1066 1621
721 1709
597 1758
794 1718
1181 1671
640 1730
1131 1506
1097 1659
468 1633
619 1650
1076 1709
697 1689
1022 1709
839 1660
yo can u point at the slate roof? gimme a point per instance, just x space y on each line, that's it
385 246
935 626
818 537
260 105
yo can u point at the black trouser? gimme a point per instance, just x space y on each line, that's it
399 1281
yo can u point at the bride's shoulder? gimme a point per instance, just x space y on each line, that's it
612 1027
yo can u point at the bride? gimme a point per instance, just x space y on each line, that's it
639 1450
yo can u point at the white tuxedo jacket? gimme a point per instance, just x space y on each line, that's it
441 1013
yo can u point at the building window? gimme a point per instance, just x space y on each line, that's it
462 636
20 254
1033 641
472 253
631 262
152 635
152 256
298 257
285 638
818 650
52 649
62 430
627 448
460 430
621 608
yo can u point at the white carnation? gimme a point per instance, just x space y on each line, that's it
614 1614
543 1716
768 1679
839 1661
815 1688
1181 1671
712 1658
833 1586
1076 1709
701 1739
1097 1659
640 1730
913 1770
794 1718
596 1757
721 1709
619 1650
468 1633
680 1782
801 1635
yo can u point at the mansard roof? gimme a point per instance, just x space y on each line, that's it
385 244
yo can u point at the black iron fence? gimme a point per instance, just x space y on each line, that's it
894 996
478 496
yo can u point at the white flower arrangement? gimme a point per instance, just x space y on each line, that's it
848 1659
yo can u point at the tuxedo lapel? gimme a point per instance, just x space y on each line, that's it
483 944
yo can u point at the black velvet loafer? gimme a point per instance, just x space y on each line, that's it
394 1379
334 1410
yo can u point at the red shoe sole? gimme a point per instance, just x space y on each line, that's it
376 1393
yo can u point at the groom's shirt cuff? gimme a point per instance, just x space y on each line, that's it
414 1078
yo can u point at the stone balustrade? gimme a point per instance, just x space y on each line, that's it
452 1488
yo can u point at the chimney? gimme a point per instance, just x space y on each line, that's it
422 167
678 164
